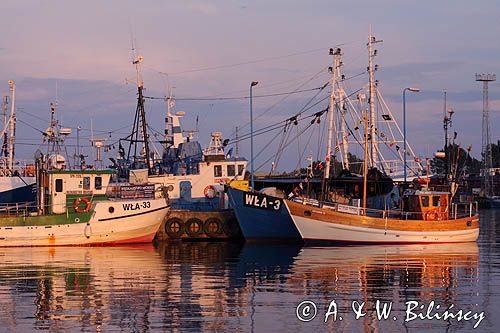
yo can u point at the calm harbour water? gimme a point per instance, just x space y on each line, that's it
247 287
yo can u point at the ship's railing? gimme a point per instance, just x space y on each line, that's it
457 211
21 209
21 168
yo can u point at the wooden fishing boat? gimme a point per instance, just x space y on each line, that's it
427 219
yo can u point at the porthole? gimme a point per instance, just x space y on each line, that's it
111 209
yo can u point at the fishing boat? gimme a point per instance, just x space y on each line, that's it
17 179
80 207
427 220
193 176
423 215
76 207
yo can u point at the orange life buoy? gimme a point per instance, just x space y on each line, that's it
430 215
210 192
77 204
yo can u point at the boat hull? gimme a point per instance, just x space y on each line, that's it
17 190
125 223
262 217
320 225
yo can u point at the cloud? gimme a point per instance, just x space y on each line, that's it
203 7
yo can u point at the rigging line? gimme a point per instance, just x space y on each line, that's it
232 98
279 153
260 133
285 97
396 155
301 155
267 145
308 108
29 125
247 135
263 86
286 145
312 98
290 142
241 63
304 108
269 128
82 129
296 117
33 115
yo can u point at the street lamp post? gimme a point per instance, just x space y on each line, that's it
254 83
404 125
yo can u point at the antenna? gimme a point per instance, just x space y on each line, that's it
237 139
486 139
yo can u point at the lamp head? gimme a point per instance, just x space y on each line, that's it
254 83
413 89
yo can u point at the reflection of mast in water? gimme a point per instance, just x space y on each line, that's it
89 283
397 273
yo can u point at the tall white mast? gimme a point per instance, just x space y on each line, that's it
371 100
12 137
343 110
330 122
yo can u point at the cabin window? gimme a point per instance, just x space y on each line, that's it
231 170
98 183
436 201
217 170
59 185
425 201
241 167
86 183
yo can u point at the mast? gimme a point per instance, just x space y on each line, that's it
365 163
343 110
12 137
330 124
139 129
372 120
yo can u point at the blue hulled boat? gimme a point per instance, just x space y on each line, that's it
262 217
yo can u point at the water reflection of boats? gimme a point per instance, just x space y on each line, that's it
393 273
321 262
79 286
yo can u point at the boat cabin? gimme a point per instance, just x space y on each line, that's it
429 205
64 187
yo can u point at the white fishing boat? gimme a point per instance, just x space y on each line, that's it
422 216
76 207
